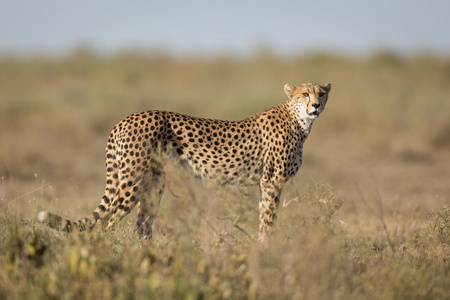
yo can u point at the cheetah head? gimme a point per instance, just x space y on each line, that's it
309 98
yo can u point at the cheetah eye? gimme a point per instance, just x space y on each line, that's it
305 94
321 94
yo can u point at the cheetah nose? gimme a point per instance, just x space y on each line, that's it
316 105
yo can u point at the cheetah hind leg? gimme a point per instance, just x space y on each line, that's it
146 194
148 206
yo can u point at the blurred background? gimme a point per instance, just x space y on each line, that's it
236 28
70 70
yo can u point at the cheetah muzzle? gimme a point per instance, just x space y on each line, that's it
265 148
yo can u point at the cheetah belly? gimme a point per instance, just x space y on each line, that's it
230 174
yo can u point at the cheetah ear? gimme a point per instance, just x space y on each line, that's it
289 90
327 87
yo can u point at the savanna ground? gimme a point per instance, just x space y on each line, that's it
367 216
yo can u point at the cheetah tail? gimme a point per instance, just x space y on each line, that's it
61 224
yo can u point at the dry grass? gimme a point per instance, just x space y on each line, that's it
375 227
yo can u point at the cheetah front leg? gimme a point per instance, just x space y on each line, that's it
268 204
148 206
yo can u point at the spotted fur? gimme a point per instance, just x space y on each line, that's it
265 149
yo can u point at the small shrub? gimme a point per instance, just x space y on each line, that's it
440 225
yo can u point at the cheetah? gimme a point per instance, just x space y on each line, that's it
265 148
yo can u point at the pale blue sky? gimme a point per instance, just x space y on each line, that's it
210 27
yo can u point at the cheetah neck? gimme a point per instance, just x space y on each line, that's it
303 122
306 125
